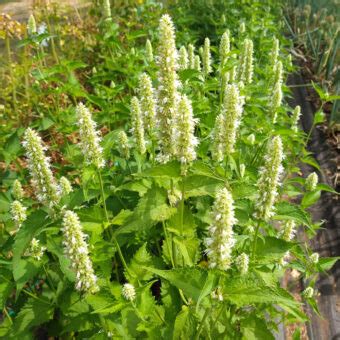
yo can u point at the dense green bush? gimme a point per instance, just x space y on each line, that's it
176 216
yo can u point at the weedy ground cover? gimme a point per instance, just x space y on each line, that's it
151 176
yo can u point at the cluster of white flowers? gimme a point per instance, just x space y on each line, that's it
148 51
206 57
288 231
147 103
242 263
129 292
274 55
65 186
197 63
89 137
137 125
35 250
191 56
31 26
123 144
295 118
276 95
168 95
269 180
17 190
308 293
174 196
186 141
43 181
311 181
183 59
221 236
246 67
224 47
107 10
18 213
227 123
77 250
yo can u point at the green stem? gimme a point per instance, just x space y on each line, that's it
255 239
9 317
166 236
34 296
103 194
121 255
207 311
182 205
49 280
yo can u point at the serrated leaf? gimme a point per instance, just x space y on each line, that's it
254 328
136 266
171 169
33 313
272 248
143 216
191 280
287 211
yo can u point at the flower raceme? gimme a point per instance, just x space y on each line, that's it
224 47
17 190
137 125
123 143
148 51
227 123
168 95
269 180
18 213
311 181
206 57
183 60
77 250
65 186
89 137
43 181
129 292
191 56
147 103
246 67
186 140
221 236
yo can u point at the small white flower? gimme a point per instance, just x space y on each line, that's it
129 292
206 57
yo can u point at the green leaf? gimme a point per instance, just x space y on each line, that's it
195 283
143 216
326 263
310 198
254 328
272 248
185 325
136 266
171 169
198 185
6 286
287 211
33 313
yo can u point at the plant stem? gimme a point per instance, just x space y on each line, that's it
103 194
207 311
182 205
49 280
255 239
9 317
166 236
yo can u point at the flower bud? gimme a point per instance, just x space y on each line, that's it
65 186
17 191
129 292
18 212
311 181
242 263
